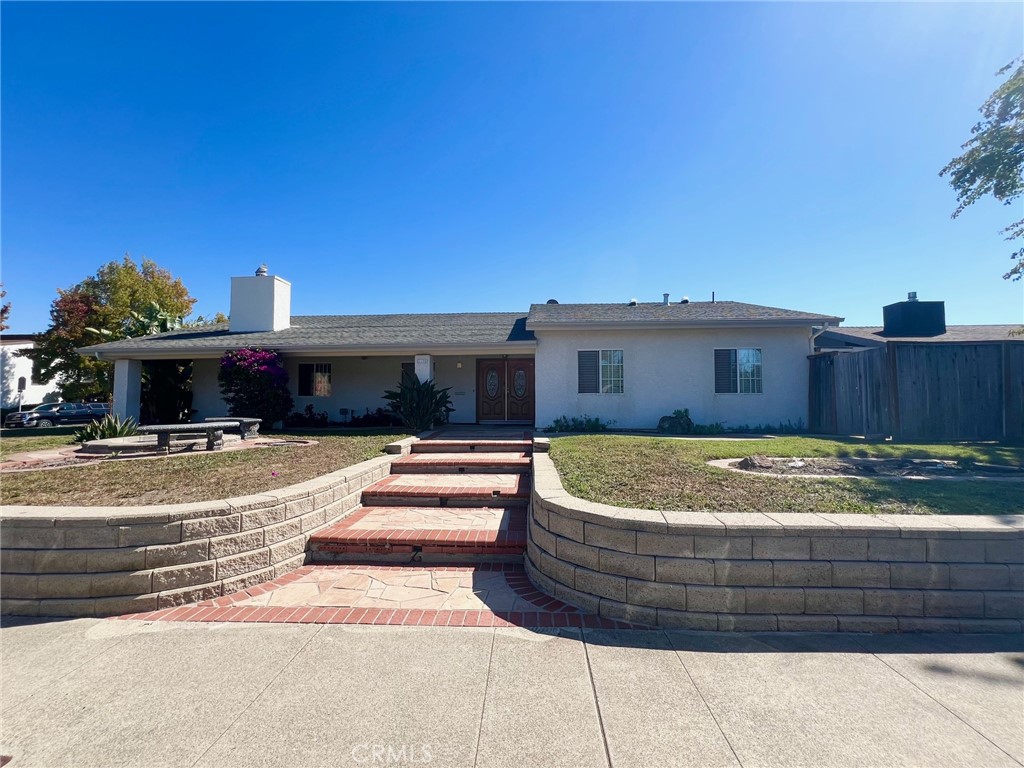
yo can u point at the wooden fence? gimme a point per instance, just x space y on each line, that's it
921 391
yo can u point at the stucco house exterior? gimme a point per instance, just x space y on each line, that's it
16 385
630 363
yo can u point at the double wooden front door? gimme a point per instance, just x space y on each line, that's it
505 389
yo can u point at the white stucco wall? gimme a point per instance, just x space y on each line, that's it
13 367
356 384
670 369
206 399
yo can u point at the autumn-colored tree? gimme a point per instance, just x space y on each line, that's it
105 306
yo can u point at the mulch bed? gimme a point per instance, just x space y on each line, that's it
860 467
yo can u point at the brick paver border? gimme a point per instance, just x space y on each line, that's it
550 613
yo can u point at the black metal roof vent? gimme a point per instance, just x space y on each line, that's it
551 301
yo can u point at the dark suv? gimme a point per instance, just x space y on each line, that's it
57 414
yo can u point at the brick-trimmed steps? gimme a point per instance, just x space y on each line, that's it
442 490
472 446
428 531
463 463
454 501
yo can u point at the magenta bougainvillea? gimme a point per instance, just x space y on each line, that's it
254 383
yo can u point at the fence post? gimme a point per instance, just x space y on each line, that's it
893 389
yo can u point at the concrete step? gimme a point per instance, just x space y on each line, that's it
425 534
463 463
449 490
473 446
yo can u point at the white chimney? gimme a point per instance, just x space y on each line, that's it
260 303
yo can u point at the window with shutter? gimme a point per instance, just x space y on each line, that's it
588 371
738 371
725 371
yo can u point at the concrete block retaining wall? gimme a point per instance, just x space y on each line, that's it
786 572
101 561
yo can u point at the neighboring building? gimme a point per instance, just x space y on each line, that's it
912 321
16 373
630 363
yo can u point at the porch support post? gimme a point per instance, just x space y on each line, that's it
424 367
127 388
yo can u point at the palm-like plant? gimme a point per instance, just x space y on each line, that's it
109 426
419 404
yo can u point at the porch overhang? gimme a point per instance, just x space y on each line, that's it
511 348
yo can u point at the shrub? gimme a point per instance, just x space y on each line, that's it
308 418
378 418
109 426
254 383
582 423
419 404
789 428
680 423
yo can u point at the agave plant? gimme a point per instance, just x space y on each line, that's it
109 426
419 404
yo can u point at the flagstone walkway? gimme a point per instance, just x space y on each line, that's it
440 545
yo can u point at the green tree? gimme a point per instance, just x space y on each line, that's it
121 300
993 159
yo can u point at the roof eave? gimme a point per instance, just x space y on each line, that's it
620 325
375 350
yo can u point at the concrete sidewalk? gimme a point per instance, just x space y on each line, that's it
95 693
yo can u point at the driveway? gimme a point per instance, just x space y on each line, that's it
91 692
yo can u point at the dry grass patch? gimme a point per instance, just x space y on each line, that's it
11 443
197 477
658 473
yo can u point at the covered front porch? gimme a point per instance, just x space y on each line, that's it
487 386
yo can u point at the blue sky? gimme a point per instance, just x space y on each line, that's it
467 157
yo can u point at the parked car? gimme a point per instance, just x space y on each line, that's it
57 414
41 415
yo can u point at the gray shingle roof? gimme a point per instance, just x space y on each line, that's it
872 335
341 331
695 312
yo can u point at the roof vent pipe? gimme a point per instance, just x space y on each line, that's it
664 299
262 271
912 296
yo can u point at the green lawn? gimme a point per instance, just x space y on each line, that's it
658 473
11 442
200 477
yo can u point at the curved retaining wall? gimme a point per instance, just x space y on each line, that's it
787 572
101 561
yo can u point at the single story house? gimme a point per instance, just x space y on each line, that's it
628 363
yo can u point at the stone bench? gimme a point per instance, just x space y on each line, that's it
247 426
214 431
